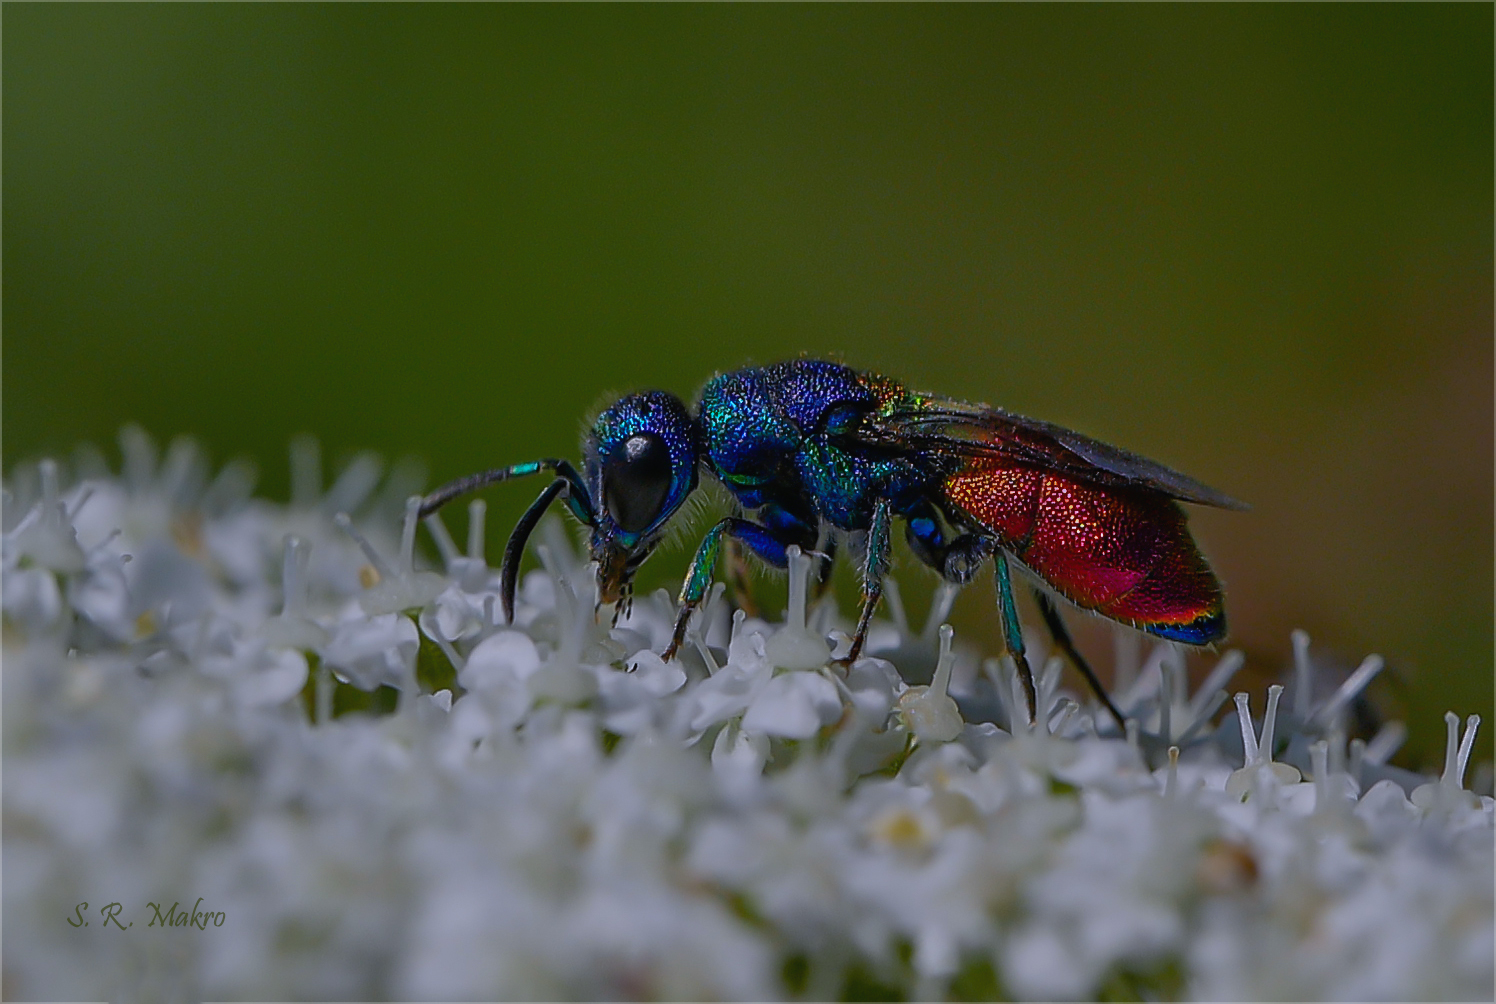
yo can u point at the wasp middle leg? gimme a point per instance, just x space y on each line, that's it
874 568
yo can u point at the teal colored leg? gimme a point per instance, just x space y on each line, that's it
874 568
759 540
1013 633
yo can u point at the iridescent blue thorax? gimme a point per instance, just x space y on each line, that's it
775 436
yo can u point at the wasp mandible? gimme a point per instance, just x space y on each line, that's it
813 451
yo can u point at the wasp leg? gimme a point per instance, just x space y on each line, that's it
1061 636
785 526
1013 633
576 496
760 540
874 567
956 560
800 528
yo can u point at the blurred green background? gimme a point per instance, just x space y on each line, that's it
1253 242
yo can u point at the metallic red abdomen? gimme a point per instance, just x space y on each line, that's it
1125 553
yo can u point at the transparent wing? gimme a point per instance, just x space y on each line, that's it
938 425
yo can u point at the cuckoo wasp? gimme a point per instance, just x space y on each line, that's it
813 451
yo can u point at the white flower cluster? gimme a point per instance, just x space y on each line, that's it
248 755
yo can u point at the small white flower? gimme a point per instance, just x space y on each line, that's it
656 676
506 655
373 651
929 711
279 677
728 692
795 705
45 536
399 587
793 646
32 598
574 817
738 757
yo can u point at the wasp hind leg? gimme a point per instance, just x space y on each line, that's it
956 560
1013 633
1061 636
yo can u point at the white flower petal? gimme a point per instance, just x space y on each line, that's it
507 843
795 705
279 679
507 654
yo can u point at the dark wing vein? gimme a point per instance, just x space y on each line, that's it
975 431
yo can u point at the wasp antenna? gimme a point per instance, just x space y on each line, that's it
452 489
515 549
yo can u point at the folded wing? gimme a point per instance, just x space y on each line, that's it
940 425
1100 525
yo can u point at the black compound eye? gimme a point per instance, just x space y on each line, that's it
636 481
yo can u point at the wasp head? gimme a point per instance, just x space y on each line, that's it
639 463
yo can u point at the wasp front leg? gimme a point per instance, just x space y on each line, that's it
767 544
